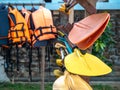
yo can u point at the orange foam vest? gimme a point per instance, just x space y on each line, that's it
18 31
42 25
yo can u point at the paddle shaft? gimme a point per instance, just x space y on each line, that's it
84 3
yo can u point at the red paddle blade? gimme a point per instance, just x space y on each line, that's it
85 32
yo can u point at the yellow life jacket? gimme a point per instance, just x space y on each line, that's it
41 24
18 31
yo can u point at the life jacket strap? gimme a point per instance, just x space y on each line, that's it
37 34
32 26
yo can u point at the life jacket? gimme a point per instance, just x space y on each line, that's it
25 14
41 26
4 25
18 31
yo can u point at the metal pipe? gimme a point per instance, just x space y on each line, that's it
22 4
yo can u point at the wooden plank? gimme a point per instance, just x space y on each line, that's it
71 16
89 50
43 69
93 2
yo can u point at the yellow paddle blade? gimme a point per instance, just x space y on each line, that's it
58 52
57 73
63 9
87 65
59 62
61 33
59 45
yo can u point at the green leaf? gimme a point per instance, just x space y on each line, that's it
105 41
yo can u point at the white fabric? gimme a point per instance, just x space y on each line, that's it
3 76
59 84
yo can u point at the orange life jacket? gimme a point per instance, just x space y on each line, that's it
41 24
18 31
26 14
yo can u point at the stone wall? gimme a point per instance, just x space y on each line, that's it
113 54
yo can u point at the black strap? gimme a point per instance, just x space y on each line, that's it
32 26
36 37
41 32
17 31
42 28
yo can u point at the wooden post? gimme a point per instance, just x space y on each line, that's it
43 69
89 50
43 64
93 2
71 16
